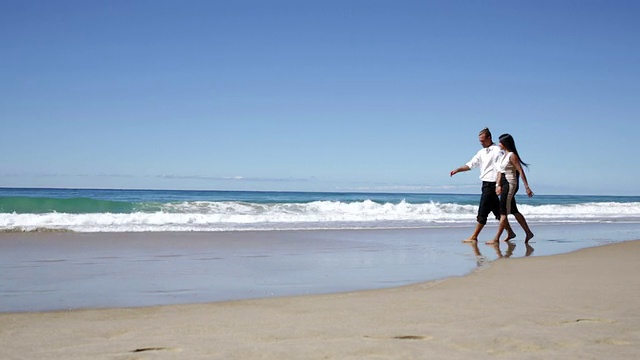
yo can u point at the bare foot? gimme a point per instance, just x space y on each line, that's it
529 237
494 241
509 236
470 240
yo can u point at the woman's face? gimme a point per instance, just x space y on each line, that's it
502 146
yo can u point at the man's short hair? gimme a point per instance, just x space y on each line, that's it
485 132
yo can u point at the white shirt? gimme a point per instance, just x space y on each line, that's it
506 167
486 160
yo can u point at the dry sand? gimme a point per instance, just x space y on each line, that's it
582 305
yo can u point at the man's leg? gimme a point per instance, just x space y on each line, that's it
484 209
476 232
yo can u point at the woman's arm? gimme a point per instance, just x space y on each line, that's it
515 160
498 182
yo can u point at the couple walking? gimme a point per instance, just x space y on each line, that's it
500 170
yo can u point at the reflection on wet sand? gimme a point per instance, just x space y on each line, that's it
529 249
507 254
481 260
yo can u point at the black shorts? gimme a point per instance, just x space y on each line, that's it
489 202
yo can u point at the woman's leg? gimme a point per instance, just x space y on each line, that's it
523 222
519 217
507 202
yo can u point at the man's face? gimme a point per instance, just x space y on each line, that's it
485 141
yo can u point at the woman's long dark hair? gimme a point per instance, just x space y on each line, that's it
510 144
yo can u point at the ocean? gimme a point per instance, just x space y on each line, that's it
88 248
112 210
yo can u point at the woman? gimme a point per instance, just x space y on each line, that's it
509 171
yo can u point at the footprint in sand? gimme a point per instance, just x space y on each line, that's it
402 337
595 320
154 349
410 337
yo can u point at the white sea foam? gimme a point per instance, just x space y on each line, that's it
220 216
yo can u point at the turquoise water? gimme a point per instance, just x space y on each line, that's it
110 210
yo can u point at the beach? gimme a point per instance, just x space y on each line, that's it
576 305
301 180
69 271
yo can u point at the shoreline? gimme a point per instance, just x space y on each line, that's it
577 305
66 271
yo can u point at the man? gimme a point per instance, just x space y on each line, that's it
485 160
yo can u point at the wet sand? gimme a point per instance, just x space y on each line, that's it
571 306
68 271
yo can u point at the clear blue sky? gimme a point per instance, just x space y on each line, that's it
317 95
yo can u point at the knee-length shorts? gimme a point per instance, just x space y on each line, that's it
489 202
